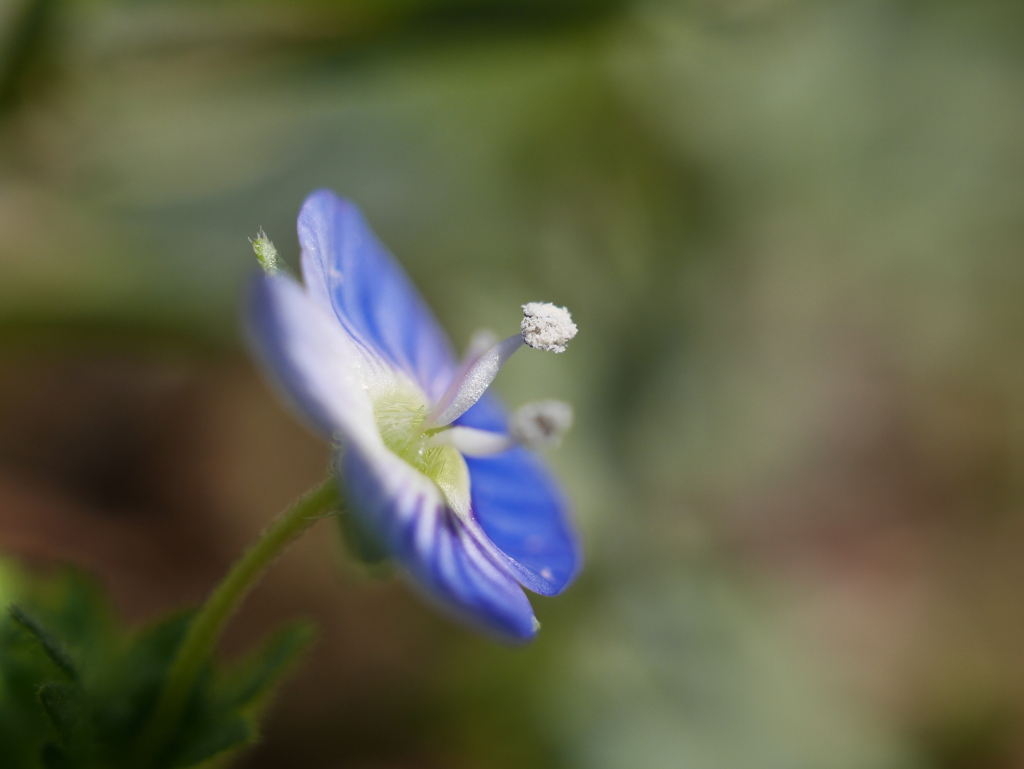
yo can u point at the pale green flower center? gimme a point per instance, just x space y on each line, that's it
400 417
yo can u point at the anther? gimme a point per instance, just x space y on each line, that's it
541 424
547 327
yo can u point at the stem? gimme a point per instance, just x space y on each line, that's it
208 624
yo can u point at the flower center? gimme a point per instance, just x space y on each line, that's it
400 417
425 437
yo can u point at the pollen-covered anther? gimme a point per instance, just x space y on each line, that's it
547 327
541 424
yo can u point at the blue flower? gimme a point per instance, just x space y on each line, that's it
423 452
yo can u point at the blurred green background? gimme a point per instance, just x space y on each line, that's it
790 232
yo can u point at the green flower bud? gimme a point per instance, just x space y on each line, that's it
265 252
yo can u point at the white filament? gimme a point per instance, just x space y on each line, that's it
472 442
466 391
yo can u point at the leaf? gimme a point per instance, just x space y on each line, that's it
84 619
129 690
222 713
54 649
233 732
65 707
86 711
152 651
54 757
255 678
23 724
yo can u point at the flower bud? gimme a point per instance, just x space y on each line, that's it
265 252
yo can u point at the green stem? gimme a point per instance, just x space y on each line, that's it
208 624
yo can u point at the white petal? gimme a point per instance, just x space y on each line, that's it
329 379
472 442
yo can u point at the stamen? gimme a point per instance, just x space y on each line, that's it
544 327
471 442
480 343
541 424
547 327
474 383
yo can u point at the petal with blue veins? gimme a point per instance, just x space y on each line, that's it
521 509
346 266
442 554
313 361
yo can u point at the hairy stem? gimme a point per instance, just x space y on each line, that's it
205 630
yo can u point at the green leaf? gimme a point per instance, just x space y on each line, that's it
64 706
223 711
84 619
53 756
229 733
54 649
86 711
152 651
253 681
67 709
129 689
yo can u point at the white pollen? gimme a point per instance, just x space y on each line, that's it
541 424
547 327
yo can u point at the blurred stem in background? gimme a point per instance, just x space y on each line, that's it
205 630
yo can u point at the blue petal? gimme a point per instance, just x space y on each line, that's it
311 359
521 509
345 265
486 414
442 555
